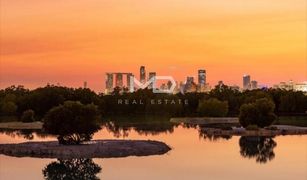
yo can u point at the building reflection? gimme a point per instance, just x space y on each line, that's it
257 147
72 169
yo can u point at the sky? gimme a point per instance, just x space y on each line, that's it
72 41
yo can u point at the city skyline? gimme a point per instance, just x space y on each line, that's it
72 42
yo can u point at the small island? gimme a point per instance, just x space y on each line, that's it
93 149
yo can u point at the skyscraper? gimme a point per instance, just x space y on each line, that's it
201 77
119 80
129 75
109 82
246 82
152 75
142 74
190 80
254 84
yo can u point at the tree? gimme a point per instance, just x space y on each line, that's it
28 116
260 113
213 108
73 122
8 108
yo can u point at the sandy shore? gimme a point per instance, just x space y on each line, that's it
94 149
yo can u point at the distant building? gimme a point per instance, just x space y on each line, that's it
292 86
85 84
254 85
119 80
190 80
129 76
163 86
300 86
142 74
152 75
235 87
109 82
246 82
190 85
202 77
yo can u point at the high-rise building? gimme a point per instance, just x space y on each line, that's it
201 77
142 74
109 82
85 84
190 85
246 82
152 75
129 76
190 80
254 85
119 80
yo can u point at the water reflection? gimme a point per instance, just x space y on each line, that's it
259 148
212 137
121 127
27 134
72 169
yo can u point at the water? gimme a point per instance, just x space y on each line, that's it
193 156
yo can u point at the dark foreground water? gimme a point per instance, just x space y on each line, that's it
194 156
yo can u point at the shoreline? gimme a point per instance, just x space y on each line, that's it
280 130
205 120
92 149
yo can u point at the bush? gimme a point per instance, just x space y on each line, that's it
28 116
213 108
260 113
73 122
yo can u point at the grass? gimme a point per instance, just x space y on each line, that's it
8 118
292 120
21 125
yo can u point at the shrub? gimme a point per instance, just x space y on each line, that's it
212 108
73 122
260 113
28 116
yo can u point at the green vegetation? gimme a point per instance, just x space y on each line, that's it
15 100
293 120
213 108
28 116
260 113
73 122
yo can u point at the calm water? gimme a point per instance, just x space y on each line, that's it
194 156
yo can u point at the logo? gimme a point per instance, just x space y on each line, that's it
152 81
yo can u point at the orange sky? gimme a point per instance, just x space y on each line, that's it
72 41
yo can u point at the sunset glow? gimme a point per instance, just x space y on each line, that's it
68 42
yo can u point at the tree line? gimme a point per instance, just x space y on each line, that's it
28 104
